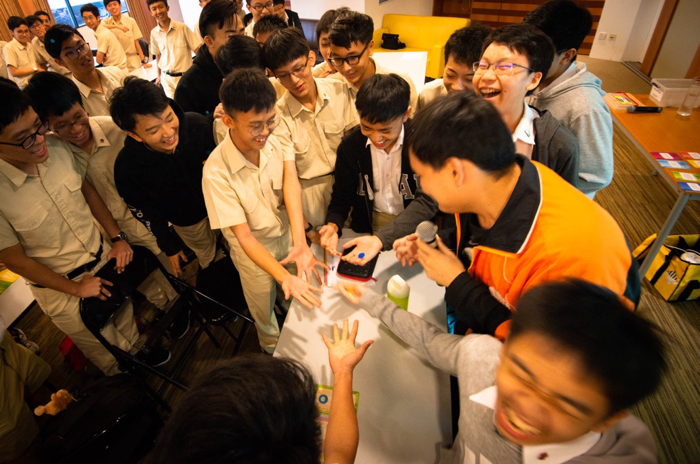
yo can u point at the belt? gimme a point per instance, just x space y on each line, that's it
172 74
87 267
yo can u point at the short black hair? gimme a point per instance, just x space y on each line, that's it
239 52
33 19
465 45
56 35
151 2
529 42
247 89
215 15
52 94
351 27
565 22
383 98
476 134
278 2
284 46
136 97
248 409
42 13
13 22
107 2
13 104
268 23
90 8
324 24
619 348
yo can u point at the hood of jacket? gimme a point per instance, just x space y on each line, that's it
205 62
582 78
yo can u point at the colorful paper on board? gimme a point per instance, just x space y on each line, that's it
690 186
674 164
690 155
665 155
686 176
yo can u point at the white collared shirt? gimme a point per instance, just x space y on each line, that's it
108 44
557 453
524 134
42 57
21 57
386 175
97 103
174 46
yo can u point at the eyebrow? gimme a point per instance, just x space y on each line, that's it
22 135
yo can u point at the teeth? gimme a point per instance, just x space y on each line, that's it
489 91
515 420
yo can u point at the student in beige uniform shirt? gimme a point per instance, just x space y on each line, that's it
96 85
258 8
109 50
323 27
314 116
353 60
243 191
173 43
95 143
127 33
3 66
41 57
18 54
48 234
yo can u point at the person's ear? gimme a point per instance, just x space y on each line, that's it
228 121
536 78
457 171
312 58
409 111
270 72
60 62
208 41
134 136
370 48
610 421
567 56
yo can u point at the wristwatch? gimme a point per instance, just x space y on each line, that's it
121 236
309 229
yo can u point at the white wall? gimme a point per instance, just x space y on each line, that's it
681 42
409 7
314 9
189 10
633 22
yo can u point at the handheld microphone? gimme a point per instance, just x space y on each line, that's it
426 231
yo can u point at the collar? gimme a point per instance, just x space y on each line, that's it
19 44
236 161
296 107
525 129
16 175
83 88
170 27
397 146
98 136
554 453
513 228
36 42
99 27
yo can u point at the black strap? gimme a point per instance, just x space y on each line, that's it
673 253
692 286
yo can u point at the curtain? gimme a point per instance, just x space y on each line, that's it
43 5
139 11
8 8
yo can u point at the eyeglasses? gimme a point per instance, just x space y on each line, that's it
278 8
259 8
29 141
351 60
500 69
295 72
75 53
37 25
258 128
67 126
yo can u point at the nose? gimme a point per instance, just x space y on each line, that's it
458 85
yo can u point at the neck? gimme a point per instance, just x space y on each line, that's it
512 118
42 38
96 26
250 154
87 145
309 100
495 198
91 79
370 70
165 24
117 17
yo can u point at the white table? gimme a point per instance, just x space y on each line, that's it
404 406
15 300
149 74
411 63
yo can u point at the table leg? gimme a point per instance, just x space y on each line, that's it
665 230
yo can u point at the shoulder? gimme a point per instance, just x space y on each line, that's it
113 72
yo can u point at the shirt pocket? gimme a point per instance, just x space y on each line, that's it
334 134
302 144
28 225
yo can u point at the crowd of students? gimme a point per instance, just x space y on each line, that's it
253 142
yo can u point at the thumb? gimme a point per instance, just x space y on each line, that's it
183 256
365 346
286 260
352 242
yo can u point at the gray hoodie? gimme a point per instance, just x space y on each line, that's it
474 359
578 103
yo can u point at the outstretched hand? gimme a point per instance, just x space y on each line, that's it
306 262
351 291
303 291
342 354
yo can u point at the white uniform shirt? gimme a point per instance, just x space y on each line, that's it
126 39
430 92
20 56
524 134
97 103
108 44
174 46
42 57
386 174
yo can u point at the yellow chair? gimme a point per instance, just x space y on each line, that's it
421 34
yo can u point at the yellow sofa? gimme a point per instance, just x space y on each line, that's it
421 34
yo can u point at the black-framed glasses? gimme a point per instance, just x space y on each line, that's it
30 140
295 72
259 8
351 60
74 53
501 69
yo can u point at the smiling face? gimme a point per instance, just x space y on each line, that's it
545 395
90 20
324 46
114 8
159 11
457 76
296 76
73 126
249 131
260 8
505 91
357 73
384 135
75 47
159 131
21 33
16 132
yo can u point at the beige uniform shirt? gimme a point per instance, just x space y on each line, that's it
3 66
379 69
42 57
20 56
320 69
97 103
174 47
238 192
249 28
430 92
47 214
311 138
126 39
99 168
108 44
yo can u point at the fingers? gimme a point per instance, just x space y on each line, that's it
364 347
345 329
441 245
318 276
183 256
315 289
106 282
286 260
351 243
105 292
355 328
326 341
336 336
322 264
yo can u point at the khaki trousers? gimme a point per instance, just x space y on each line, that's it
259 288
21 374
380 220
201 239
169 84
64 310
315 198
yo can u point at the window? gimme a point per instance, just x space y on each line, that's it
68 11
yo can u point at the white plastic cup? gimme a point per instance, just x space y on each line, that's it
398 292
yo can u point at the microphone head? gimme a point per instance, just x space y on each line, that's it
426 231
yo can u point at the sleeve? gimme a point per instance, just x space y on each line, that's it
596 156
135 30
223 204
423 208
37 56
352 119
8 236
192 41
345 186
565 148
438 347
284 135
10 56
153 46
474 304
103 43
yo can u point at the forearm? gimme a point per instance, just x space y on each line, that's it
261 257
42 66
19 263
474 304
138 49
20 72
342 435
100 58
99 209
292 200
423 208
